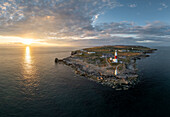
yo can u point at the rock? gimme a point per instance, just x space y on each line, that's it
73 52
60 60
56 60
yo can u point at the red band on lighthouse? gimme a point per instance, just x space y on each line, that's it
115 54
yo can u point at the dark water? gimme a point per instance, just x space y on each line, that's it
32 85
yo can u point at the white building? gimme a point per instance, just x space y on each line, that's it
91 52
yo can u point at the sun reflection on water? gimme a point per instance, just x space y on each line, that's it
28 62
30 80
27 55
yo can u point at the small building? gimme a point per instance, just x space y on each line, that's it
107 55
91 52
115 61
122 50
103 56
83 50
80 53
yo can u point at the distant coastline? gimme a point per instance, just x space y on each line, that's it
113 66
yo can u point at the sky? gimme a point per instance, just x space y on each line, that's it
85 22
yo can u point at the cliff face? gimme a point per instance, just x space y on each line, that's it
90 63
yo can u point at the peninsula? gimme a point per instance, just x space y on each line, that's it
113 66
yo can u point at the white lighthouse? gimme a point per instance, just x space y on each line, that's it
115 59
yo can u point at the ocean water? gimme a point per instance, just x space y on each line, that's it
32 85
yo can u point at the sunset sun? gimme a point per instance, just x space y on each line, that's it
27 41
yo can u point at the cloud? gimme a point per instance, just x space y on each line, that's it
40 18
163 6
63 21
121 33
95 19
132 5
146 41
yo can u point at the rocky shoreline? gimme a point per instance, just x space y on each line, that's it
125 79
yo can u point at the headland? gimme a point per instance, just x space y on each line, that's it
113 66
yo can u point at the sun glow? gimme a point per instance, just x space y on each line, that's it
19 41
27 41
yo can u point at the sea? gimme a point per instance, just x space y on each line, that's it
32 85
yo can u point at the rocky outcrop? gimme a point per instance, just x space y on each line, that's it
126 78
124 81
58 60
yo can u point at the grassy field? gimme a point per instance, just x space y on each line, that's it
124 54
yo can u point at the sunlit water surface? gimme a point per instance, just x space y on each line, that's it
32 85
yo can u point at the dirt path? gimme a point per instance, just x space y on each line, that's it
108 64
